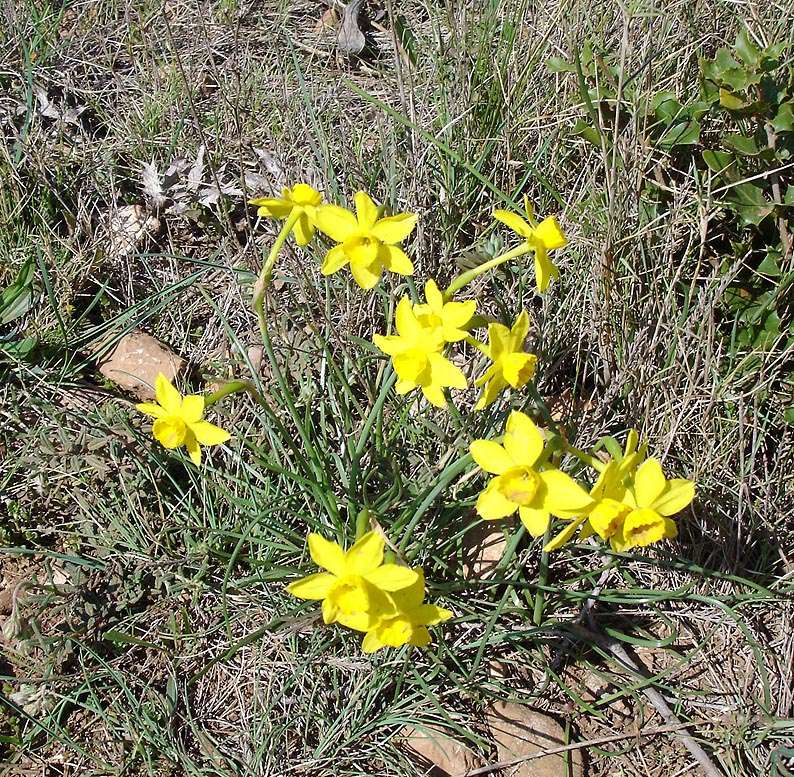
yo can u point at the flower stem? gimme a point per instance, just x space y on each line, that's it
543 577
467 277
267 268
586 458
232 387
481 347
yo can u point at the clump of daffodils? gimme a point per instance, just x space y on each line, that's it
626 501
631 503
384 601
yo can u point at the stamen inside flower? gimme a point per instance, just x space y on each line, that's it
643 527
519 485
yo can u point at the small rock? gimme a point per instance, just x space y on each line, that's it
135 361
255 353
483 547
521 731
437 749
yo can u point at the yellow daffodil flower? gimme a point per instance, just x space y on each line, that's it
179 420
607 511
519 484
407 625
511 366
416 349
448 320
652 499
352 590
366 242
540 238
300 198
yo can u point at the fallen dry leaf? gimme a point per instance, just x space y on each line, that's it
129 227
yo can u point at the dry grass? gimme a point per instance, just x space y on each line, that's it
188 659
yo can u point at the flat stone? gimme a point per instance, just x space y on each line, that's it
438 754
521 731
483 547
135 361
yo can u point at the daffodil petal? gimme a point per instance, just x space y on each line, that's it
358 621
334 260
336 222
170 431
516 223
395 260
492 505
420 637
330 611
543 269
649 483
405 319
167 396
493 388
366 277
209 434
456 317
536 519
523 440
563 496
326 554
430 615
491 456
303 194
520 329
445 373
193 447
192 408
272 207
366 555
412 366
565 535
303 230
394 229
677 495
434 394
391 345
519 368
391 577
314 586
550 233
434 296
150 409
366 211
371 642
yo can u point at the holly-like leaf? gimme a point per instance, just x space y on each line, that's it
748 201
746 50
666 107
741 144
560 65
731 101
587 131
686 133
784 119
719 161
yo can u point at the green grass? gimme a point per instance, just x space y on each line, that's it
152 622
